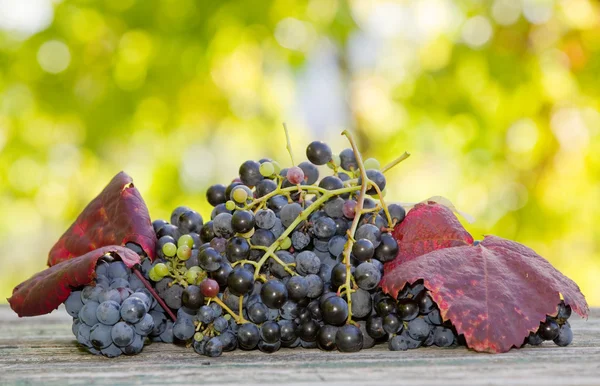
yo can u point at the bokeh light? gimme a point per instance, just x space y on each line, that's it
498 101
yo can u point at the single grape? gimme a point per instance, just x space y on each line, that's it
250 173
348 160
239 194
222 225
135 347
73 304
265 218
361 303
363 249
248 336
289 213
213 348
267 169
319 153
334 310
100 335
324 227
331 183
265 187
407 309
426 304
145 326
192 297
237 249
207 232
308 330
240 281
210 288
397 213
349 338
297 287
375 327
108 312
295 175
184 252
300 240
565 335
190 221
392 324
183 328
270 332
372 163
434 318
258 313
307 263
186 239
215 194
161 269
87 314
176 213
286 243
549 330
209 259
122 334
418 329
370 232
443 337
273 293
349 209
133 309
388 249
326 337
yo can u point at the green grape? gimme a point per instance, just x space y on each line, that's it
239 195
267 169
195 268
198 336
335 161
230 205
184 252
227 317
372 163
154 276
184 240
286 243
169 249
191 276
276 167
161 269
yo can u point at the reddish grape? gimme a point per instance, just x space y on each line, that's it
295 175
349 208
209 288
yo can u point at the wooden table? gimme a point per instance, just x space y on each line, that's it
42 350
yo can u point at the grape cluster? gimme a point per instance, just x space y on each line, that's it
412 321
116 315
555 328
289 257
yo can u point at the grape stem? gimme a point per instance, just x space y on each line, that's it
347 287
289 146
395 162
239 319
160 301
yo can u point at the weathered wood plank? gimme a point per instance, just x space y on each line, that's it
42 350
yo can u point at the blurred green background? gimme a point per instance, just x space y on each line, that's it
498 102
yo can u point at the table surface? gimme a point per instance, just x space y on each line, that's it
42 350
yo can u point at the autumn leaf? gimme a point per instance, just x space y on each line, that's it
427 227
118 215
494 293
46 290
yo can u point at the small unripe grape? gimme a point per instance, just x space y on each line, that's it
335 161
161 269
230 205
372 163
184 252
190 276
267 169
286 243
185 240
154 276
169 249
239 195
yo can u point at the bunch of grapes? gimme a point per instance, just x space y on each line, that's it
554 328
289 258
117 314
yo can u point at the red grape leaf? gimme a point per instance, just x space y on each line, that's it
427 227
46 290
494 293
116 216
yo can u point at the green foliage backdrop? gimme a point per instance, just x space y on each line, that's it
498 102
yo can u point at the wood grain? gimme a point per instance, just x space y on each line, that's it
42 350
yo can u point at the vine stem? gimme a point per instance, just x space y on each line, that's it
239 319
395 162
359 208
270 252
289 146
383 204
160 301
